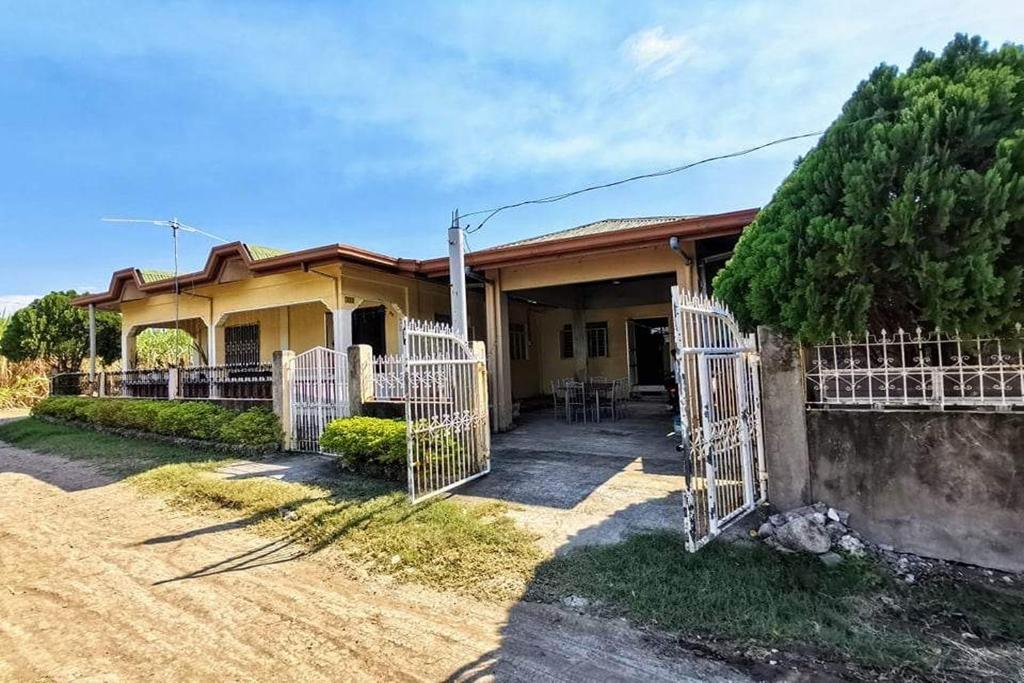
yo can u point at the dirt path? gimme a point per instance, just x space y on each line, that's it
98 581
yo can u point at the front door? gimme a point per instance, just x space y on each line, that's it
368 328
651 351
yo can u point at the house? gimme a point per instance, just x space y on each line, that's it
590 300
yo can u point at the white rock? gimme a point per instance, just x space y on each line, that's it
765 530
831 559
575 601
817 517
804 535
852 545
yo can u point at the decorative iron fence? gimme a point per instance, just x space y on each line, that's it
388 379
73 384
144 383
248 382
915 369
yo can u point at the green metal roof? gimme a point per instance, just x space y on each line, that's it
259 253
596 228
149 276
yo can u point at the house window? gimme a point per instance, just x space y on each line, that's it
242 344
517 342
565 341
597 340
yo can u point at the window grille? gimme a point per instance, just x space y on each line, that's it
565 341
517 342
242 344
597 340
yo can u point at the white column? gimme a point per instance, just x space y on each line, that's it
284 327
211 344
92 342
342 328
127 347
498 364
579 342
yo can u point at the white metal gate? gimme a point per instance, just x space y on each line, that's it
318 388
718 374
449 440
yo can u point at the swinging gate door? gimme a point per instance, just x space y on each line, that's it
318 388
449 440
718 375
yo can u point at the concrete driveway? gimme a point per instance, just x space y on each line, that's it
587 483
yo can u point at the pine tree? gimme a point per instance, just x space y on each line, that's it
910 209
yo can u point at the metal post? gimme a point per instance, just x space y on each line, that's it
457 275
92 343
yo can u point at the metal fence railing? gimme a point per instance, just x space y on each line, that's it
915 369
248 382
388 379
73 384
142 383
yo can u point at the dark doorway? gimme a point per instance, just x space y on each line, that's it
368 328
651 346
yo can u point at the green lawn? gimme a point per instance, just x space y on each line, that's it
749 593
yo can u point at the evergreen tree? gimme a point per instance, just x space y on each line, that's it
910 209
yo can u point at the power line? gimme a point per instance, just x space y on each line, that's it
491 213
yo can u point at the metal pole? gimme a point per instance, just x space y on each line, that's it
177 293
457 275
92 342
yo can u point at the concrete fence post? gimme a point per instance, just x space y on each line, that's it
483 403
281 364
172 383
360 377
783 409
103 383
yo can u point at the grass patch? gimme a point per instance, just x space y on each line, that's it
115 454
473 549
753 594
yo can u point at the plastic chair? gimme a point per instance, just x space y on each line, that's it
575 401
558 397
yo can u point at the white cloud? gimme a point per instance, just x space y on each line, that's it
9 303
654 51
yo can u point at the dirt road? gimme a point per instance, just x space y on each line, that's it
99 581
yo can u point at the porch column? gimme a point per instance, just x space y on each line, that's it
211 342
498 361
343 324
92 343
579 342
127 347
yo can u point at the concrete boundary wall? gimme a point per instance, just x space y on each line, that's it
946 484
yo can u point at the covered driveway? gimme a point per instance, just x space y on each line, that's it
592 483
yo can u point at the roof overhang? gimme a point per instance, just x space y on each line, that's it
698 227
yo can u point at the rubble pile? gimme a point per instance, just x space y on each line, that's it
813 529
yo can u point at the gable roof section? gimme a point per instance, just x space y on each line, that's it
605 236
596 228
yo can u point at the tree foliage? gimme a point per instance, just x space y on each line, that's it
53 330
910 210
160 347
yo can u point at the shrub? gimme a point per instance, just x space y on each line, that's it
366 440
907 211
254 427
191 419
196 420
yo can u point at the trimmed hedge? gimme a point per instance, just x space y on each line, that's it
256 427
367 441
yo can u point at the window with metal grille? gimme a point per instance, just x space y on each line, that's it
597 340
565 341
518 348
242 344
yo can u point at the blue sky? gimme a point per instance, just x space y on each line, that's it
295 124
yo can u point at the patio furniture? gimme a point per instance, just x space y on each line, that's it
558 397
621 397
603 393
575 401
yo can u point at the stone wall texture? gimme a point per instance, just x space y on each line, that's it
948 485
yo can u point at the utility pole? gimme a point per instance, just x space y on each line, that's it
457 275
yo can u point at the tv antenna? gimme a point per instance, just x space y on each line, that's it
176 226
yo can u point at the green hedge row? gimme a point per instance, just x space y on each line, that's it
366 441
256 427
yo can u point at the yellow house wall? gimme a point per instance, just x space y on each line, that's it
549 364
590 268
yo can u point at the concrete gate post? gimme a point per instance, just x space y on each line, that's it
783 409
360 377
281 364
